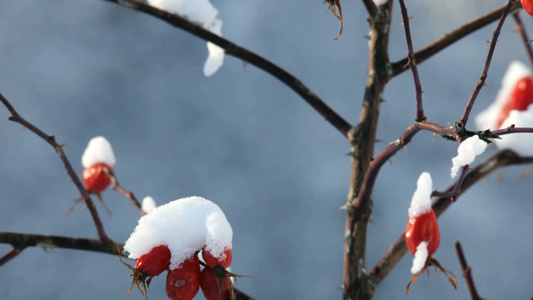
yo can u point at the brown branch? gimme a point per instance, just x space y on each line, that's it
393 255
452 37
10 255
412 63
370 7
50 139
128 194
234 50
467 272
485 72
24 240
525 39
511 129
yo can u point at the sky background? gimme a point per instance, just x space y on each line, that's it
78 69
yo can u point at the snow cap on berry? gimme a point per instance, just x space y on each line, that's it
148 204
380 2
98 151
488 119
521 143
467 152
421 201
421 255
185 225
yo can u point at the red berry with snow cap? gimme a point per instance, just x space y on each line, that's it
154 262
183 282
423 228
223 260
97 177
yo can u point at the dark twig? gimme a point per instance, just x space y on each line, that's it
412 63
450 38
511 129
370 7
501 159
234 50
50 139
484 73
467 272
523 35
452 194
10 255
128 194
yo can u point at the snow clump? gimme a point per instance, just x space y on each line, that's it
148 204
185 226
421 255
467 152
98 151
421 201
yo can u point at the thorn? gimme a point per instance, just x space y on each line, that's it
434 136
11 118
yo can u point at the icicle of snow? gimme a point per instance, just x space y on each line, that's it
467 152
203 13
421 255
148 204
421 201
185 226
488 118
98 151
521 143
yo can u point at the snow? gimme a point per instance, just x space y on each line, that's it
421 255
148 204
488 118
521 143
201 12
467 152
185 226
421 201
380 2
98 151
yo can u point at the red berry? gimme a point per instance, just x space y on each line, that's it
155 262
96 177
521 97
528 6
214 288
423 228
224 260
183 283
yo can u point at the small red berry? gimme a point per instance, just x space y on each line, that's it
183 283
521 96
528 6
216 288
224 260
154 262
96 177
423 228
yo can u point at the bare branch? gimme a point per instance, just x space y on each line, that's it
128 194
484 73
501 159
10 255
412 63
50 139
523 35
452 37
234 50
467 272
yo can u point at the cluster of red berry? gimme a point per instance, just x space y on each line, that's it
184 282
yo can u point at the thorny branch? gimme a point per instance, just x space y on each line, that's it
520 29
484 73
234 50
467 272
50 139
450 38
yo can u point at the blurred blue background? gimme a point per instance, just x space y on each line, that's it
78 69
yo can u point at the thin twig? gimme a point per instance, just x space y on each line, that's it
412 63
467 272
450 38
234 50
511 129
484 73
371 7
523 35
10 255
128 194
393 255
50 139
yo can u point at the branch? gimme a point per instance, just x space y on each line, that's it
21 241
450 38
467 272
484 73
501 159
523 35
50 139
128 194
412 63
234 50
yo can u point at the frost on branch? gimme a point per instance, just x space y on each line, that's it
185 225
98 151
201 12
467 152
